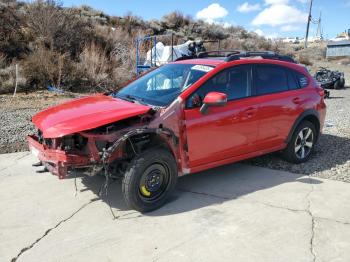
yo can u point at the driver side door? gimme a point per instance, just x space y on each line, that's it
227 131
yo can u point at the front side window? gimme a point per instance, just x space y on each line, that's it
234 82
270 79
163 85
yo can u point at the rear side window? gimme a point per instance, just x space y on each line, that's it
270 79
302 80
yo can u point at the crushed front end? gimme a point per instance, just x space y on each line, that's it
61 155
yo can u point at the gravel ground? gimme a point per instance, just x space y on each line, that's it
15 117
330 160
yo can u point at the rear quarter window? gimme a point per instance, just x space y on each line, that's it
302 80
270 79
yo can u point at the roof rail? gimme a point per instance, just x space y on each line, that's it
218 53
262 54
232 55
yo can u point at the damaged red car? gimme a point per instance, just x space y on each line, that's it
182 118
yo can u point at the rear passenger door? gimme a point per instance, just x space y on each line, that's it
279 103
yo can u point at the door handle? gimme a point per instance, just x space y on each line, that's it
296 100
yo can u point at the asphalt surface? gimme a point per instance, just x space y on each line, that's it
232 213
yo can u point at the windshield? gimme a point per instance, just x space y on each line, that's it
161 86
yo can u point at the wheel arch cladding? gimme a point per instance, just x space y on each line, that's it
310 115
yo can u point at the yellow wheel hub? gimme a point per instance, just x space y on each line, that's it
145 192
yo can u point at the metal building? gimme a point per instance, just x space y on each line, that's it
338 49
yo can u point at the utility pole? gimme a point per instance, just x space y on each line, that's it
308 24
319 27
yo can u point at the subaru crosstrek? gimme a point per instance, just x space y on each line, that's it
181 118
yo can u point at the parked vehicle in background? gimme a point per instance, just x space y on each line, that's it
184 117
330 79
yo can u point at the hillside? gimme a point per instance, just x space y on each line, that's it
83 50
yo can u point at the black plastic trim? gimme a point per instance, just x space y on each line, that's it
309 112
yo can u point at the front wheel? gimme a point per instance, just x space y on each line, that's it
301 145
149 180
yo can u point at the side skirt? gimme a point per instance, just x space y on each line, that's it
230 160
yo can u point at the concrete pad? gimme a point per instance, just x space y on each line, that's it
332 241
231 213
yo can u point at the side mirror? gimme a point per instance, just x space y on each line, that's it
213 99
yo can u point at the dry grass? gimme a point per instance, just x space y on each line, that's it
304 59
38 99
94 63
345 61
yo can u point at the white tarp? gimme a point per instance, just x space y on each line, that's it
161 54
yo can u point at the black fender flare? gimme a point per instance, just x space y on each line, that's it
302 116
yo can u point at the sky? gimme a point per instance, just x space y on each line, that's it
270 18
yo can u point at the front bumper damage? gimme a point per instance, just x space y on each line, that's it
58 162
109 148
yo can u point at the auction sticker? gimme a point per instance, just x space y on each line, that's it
202 68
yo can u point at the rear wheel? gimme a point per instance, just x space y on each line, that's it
149 180
301 145
340 83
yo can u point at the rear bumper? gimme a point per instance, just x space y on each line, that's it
58 162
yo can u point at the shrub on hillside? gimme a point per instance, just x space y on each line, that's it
13 41
44 67
94 65
304 59
56 28
175 21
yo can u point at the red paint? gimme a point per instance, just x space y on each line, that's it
57 160
84 114
224 132
215 98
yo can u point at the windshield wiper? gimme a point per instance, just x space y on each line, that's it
126 98
131 99
137 99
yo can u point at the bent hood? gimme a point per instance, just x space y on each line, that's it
84 114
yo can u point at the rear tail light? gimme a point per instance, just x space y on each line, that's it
320 91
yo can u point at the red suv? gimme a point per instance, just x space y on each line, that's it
181 118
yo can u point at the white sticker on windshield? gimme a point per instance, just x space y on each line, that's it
202 68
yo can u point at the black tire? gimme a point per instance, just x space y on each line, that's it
339 84
149 180
327 94
291 153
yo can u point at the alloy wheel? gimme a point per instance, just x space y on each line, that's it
304 143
